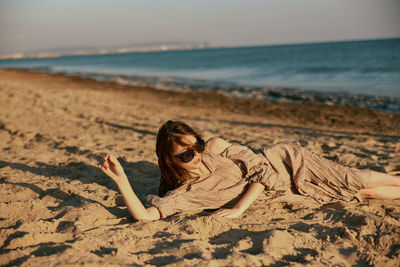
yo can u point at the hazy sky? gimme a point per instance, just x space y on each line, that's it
28 25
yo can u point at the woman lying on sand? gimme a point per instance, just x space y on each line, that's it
196 175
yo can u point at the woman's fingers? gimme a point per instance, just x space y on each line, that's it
216 212
106 163
108 172
105 167
113 160
112 168
109 160
228 213
219 212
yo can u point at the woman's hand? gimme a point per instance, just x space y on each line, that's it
251 194
228 213
113 169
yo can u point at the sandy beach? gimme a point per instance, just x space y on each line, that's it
58 208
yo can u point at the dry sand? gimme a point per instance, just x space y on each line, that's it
57 208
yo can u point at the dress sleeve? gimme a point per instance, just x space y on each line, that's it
181 200
255 167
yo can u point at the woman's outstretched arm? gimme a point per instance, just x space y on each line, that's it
245 201
114 170
217 146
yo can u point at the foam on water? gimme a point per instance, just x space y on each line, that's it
361 73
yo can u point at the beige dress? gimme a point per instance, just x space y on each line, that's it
284 168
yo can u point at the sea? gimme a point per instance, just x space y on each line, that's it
361 73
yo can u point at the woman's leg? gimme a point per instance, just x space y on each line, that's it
382 186
382 179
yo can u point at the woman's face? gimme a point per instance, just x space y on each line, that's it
194 164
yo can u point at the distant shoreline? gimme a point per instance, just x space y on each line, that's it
106 51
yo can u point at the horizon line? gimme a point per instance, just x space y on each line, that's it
163 46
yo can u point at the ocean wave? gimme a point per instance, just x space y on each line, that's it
383 70
323 70
273 94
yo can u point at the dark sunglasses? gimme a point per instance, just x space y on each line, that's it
189 153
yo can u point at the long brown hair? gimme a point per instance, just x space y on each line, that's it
172 173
